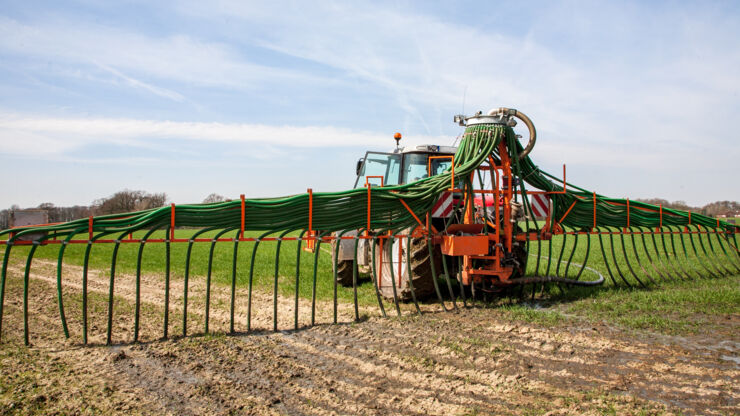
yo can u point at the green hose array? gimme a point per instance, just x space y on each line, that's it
576 210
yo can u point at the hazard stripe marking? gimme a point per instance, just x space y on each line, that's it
443 207
540 205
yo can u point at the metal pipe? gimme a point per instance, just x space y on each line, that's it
523 117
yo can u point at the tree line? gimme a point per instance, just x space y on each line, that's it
120 202
713 209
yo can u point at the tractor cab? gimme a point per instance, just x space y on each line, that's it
403 165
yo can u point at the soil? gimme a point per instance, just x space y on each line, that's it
470 361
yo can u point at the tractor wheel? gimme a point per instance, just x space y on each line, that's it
344 272
520 254
421 269
344 268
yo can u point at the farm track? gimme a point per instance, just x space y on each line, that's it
472 361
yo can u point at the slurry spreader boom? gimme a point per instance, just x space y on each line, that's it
465 224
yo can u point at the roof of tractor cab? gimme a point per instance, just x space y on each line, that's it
432 148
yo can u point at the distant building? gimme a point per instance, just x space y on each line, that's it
23 217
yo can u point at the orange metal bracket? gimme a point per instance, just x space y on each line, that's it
565 188
594 199
369 194
429 168
241 234
412 212
172 222
369 199
310 240
310 212
465 245
628 213
367 182
567 212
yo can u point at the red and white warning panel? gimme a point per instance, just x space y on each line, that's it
540 205
443 207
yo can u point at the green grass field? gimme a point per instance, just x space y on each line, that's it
693 292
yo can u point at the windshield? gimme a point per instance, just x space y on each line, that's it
387 165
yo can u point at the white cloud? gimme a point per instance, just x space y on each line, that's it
178 57
683 60
34 135
162 92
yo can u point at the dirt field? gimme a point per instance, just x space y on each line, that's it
472 361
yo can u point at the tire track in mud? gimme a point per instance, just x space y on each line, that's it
475 360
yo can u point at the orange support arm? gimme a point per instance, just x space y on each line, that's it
567 212
172 222
412 212
241 235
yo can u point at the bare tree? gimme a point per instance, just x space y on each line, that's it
128 201
213 198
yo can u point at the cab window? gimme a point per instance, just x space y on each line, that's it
415 166
387 165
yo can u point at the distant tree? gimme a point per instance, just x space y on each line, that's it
51 210
213 198
680 205
128 201
727 208
713 209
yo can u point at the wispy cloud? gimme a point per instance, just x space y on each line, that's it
34 135
598 68
162 92
178 57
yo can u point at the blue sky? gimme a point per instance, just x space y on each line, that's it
270 98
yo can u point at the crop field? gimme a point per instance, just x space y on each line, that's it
670 347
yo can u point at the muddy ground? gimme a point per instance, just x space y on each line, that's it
470 361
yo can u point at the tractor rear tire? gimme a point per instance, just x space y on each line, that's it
344 272
344 268
421 268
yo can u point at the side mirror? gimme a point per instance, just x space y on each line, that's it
359 166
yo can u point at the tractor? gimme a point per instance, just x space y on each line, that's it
405 165
402 165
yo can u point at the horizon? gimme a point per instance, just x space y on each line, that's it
92 204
